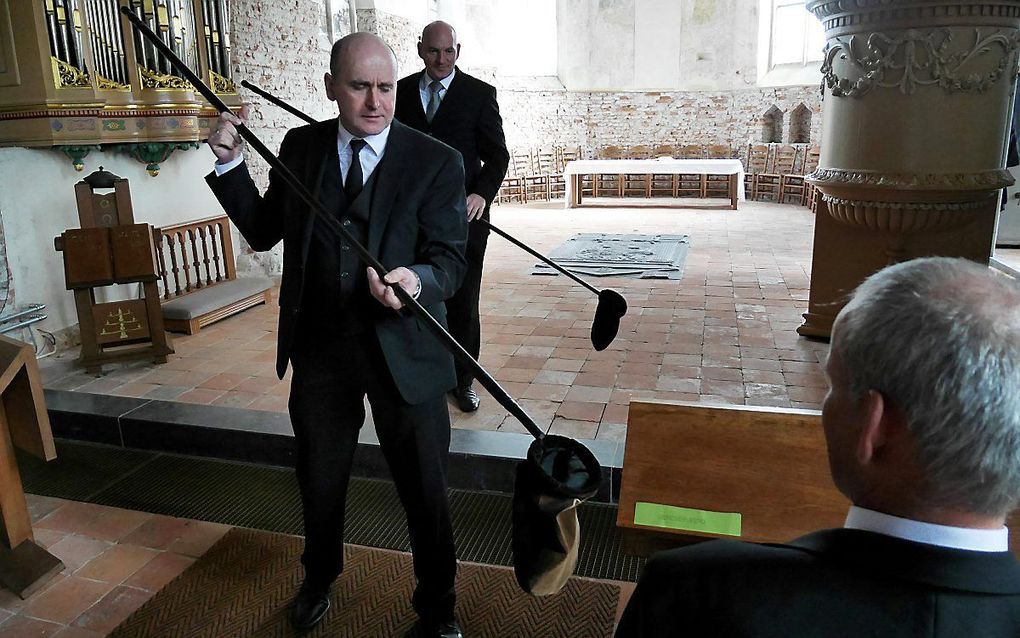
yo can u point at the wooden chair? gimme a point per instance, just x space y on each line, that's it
607 184
564 155
762 472
537 184
665 184
757 162
512 188
692 151
638 184
794 186
769 182
716 185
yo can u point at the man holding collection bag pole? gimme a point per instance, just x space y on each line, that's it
401 193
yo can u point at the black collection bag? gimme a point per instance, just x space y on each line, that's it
557 476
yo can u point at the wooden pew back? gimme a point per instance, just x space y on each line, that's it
767 464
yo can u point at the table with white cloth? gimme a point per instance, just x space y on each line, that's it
732 168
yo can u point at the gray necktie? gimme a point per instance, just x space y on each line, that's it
434 100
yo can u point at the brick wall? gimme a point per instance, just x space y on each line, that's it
593 119
398 32
282 47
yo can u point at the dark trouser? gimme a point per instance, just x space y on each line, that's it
331 379
462 308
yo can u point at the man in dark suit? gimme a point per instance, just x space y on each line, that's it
461 111
401 195
922 425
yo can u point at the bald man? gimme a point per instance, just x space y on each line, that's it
461 111
401 195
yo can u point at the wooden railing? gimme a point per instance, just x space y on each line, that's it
193 255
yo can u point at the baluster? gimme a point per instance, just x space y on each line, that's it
184 262
206 233
216 250
196 263
161 261
171 241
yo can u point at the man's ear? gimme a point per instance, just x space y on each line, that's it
328 81
421 49
875 423
458 52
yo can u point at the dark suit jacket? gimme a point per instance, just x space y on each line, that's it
828 584
417 219
468 120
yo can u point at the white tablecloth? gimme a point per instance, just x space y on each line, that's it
661 165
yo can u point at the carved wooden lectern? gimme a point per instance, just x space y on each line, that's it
24 423
110 248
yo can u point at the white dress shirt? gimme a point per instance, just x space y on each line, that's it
968 538
426 93
369 156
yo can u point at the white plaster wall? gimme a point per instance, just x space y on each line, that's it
657 45
37 203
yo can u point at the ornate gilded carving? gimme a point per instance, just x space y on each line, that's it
160 82
915 58
983 180
106 84
221 84
66 76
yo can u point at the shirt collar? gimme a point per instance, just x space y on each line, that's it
967 538
426 80
376 142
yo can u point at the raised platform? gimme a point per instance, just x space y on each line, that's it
479 460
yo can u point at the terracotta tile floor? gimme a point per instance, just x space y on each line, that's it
722 334
114 561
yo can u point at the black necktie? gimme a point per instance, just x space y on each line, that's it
354 181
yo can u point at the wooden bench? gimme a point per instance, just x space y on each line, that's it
767 465
198 278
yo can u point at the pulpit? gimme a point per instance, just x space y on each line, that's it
24 423
108 249
916 114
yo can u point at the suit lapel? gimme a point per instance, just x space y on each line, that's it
326 187
388 180
411 99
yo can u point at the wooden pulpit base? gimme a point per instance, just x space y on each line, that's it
24 423
27 567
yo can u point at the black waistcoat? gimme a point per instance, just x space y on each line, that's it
336 301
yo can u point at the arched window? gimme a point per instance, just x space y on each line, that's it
772 125
800 125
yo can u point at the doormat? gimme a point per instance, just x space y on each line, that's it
243 585
637 256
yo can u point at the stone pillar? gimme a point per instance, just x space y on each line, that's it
916 110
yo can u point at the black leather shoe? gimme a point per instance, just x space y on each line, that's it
309 606
447 629
467 398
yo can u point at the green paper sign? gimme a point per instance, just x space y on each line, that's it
686 519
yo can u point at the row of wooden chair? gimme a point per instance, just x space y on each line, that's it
777 171
536 174
772 171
